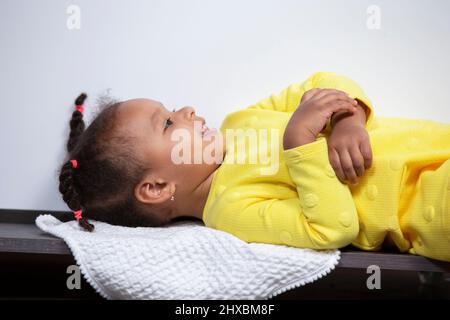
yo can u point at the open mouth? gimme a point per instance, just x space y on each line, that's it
205 131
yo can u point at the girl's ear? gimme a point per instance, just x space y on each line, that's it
154 192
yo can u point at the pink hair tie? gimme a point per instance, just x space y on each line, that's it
79 108
77 214
74 163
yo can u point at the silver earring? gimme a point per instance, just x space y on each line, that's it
172 198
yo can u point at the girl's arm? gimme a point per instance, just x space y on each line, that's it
289 99
349 146
322 216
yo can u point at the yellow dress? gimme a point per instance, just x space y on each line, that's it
293 197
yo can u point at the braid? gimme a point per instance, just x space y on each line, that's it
66 187
84 223
80 100
70 194
66 178
76 123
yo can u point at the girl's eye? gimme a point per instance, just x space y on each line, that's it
167 123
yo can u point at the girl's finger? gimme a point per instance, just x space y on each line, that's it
310 94
347 166
339 106
336 164
331 96
325 92
366 151
358 160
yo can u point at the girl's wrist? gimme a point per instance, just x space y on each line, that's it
358 117
297 138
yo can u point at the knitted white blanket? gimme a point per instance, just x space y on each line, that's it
185 260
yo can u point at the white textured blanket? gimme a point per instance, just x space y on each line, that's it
185 260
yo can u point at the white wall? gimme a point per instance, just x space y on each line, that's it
217 56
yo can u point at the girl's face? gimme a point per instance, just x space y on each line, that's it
173 144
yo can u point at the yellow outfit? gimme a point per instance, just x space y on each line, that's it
403 199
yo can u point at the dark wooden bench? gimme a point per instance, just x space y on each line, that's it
19 235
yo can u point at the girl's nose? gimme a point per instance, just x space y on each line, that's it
189 113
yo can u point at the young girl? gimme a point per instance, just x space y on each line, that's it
125 169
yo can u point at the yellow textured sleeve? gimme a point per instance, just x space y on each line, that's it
289 99
323 216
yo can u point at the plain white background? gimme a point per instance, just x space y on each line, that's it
218 56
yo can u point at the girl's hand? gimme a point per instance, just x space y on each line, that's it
349 150
311 117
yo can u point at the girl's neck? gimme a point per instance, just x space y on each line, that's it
193 204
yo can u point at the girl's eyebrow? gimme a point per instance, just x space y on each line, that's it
153 119
155 115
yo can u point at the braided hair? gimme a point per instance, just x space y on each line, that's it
97 181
